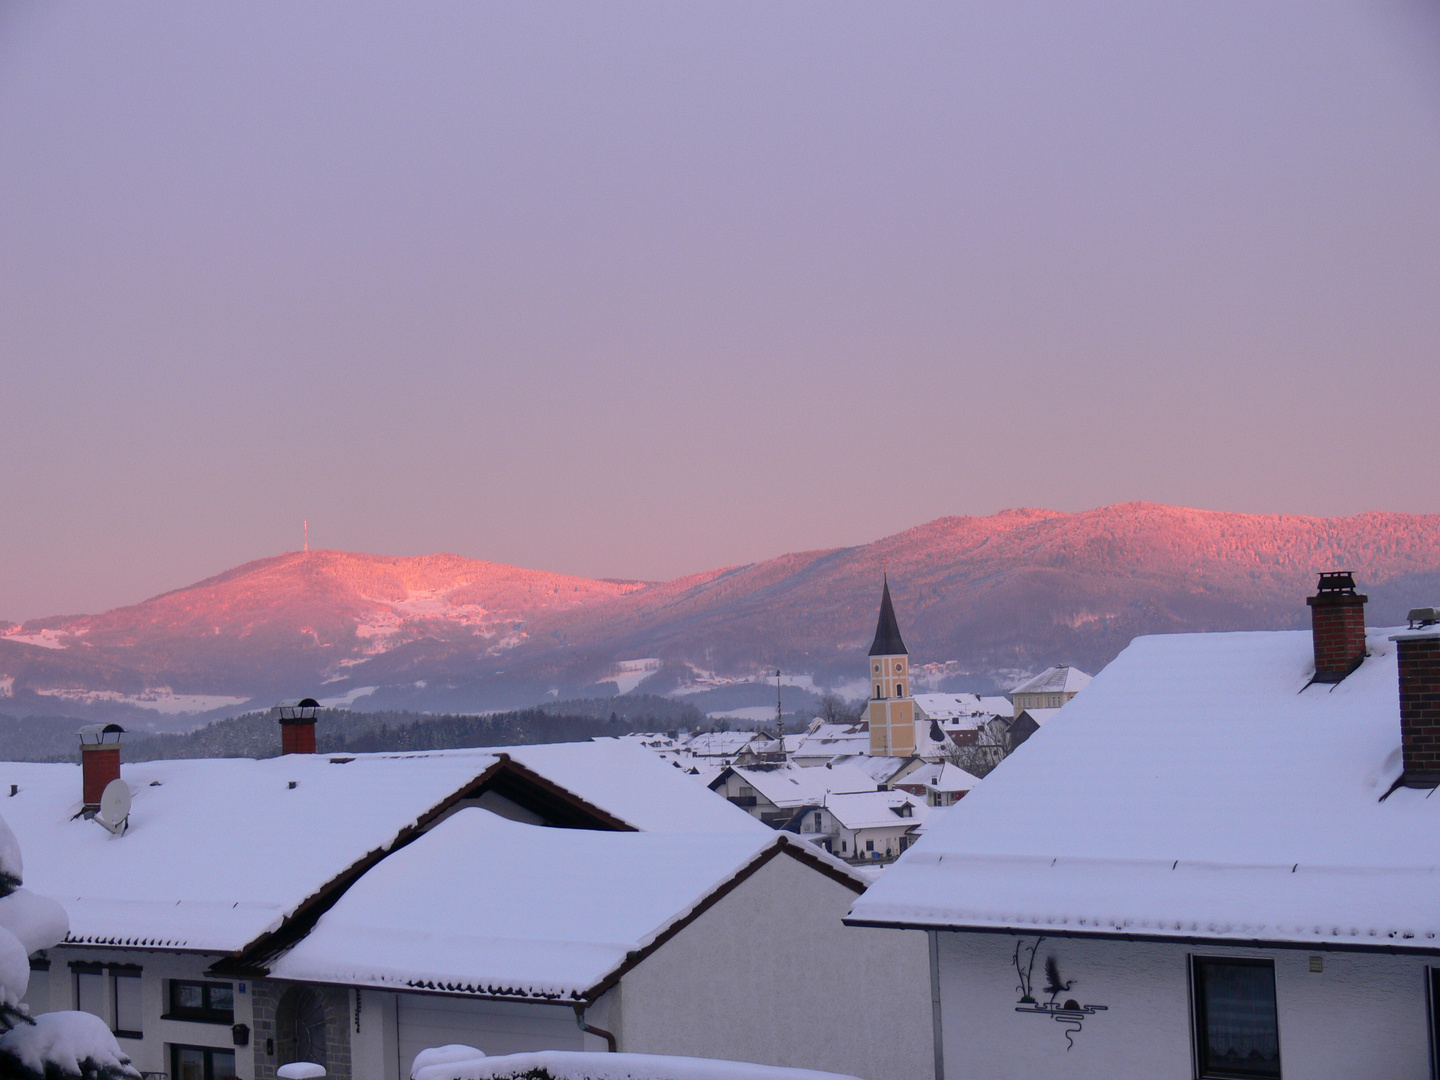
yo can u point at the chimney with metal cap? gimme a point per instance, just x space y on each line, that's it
1418 654
99 762
1337 614
297 725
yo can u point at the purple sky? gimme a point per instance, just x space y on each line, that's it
637 290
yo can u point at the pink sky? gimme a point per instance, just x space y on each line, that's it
634 290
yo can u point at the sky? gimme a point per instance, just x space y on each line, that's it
636 290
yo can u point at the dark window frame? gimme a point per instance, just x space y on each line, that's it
206 1014
1200 1025
1432 1007
117 972
208 1051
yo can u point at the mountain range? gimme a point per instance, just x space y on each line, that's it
982 601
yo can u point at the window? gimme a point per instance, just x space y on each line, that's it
205 1001
817 822
869 845
201 1063
900 689
125 992
877 691
90 989
1236 1031
1434 988
746 791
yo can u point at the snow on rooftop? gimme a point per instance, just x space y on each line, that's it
220 850
961 707
1197 788
1055 680
875 809
514 910
579 1065
953 778
792 786
635 785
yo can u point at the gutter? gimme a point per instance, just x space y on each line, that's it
1161 939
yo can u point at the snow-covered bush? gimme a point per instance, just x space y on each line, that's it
53 1046
571 1065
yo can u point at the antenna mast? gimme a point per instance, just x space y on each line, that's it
779 713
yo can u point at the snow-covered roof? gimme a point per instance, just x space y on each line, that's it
953 778
1198 789
516 910
220 851
1055 680
634 784
792 786
830 740
875 809
948 708
719 743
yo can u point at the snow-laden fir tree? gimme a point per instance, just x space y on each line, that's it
52 1046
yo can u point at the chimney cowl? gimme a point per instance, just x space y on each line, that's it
297 725
1337 617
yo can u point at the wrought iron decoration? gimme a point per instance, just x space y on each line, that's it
1069 1012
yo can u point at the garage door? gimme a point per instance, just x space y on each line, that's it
497 1027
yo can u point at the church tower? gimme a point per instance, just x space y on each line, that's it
892 713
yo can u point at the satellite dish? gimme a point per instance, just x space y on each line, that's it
115 805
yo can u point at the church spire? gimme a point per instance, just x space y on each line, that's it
887 631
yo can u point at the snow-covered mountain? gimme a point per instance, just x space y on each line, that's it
981 600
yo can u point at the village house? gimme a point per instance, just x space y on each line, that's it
183 922
872 826
1222 862
1051 689
776 793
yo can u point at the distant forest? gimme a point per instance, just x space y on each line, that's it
53 738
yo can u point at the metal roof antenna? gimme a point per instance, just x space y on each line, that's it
779 716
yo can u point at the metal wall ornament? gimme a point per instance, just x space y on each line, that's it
1068 1011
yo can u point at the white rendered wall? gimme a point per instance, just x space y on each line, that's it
770 975
151 1053
1363 1016
496 1027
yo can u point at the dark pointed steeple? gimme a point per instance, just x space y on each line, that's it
887 631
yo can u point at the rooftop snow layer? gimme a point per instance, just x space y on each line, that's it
875 809
1055 680
514 910
793 786
635 785
218 851
1198 788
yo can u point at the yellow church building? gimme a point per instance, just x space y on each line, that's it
892 711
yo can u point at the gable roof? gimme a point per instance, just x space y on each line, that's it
224 856
789 786
1061 679
1208 793
518 911
875 809
956 709
887 631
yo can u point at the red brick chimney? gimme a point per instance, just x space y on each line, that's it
99 762
297 725
1419 656
1337 614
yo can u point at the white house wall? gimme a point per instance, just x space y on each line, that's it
54 991
770 975
1364 1015
423 1020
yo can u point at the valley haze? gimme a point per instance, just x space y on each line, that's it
983 601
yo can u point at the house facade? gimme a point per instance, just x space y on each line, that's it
1222 863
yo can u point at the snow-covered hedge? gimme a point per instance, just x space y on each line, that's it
52 1046
450 1063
